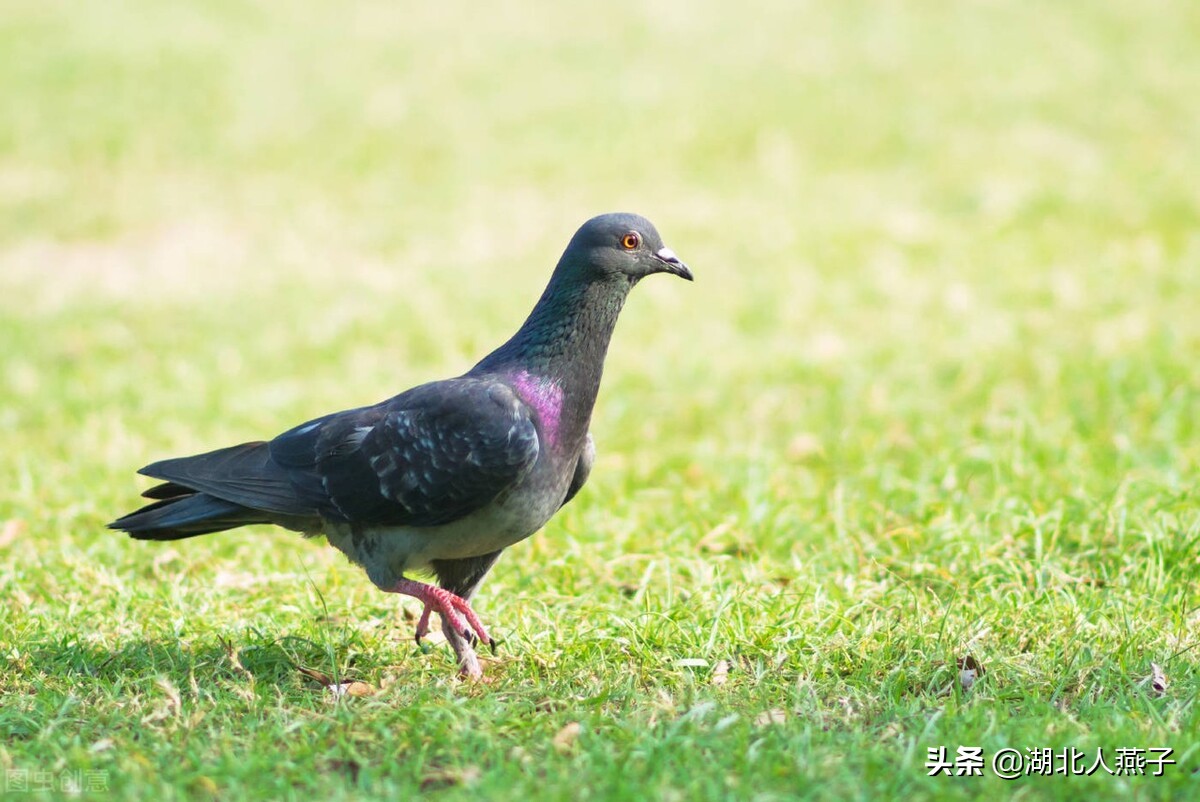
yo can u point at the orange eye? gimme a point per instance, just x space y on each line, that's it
631 241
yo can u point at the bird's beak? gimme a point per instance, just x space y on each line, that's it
672 265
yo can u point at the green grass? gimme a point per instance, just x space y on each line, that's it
934 393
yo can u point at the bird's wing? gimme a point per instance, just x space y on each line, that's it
427 457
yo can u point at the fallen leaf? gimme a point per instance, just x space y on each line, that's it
338 689
720 673
564 739
354 688
313 674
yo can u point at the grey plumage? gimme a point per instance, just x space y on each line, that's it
444 476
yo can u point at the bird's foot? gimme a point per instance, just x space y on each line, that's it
454 610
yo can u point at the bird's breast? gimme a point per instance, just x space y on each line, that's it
388 552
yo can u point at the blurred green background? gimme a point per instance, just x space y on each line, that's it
934 391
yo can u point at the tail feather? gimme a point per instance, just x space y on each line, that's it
180 516
167 490
245 474
219 490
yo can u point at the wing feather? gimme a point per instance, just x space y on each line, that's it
427 457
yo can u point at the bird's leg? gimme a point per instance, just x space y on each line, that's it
464 653
455 611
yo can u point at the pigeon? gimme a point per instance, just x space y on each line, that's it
443 477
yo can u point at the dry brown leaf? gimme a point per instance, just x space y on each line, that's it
564 739
354 688
338 689
317 676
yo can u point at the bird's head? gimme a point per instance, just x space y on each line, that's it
621 245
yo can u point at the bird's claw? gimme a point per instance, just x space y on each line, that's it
456 613
423 624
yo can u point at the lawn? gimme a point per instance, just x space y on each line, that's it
933 398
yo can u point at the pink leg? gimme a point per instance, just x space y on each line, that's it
456 610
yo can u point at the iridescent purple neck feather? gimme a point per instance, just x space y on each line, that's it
545 397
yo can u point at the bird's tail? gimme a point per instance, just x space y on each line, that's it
186 514
220 490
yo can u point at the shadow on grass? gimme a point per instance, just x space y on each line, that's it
271 661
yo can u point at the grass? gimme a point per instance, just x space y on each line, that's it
933 395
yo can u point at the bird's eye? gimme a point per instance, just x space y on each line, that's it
631 241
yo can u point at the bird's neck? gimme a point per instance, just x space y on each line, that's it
556 359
